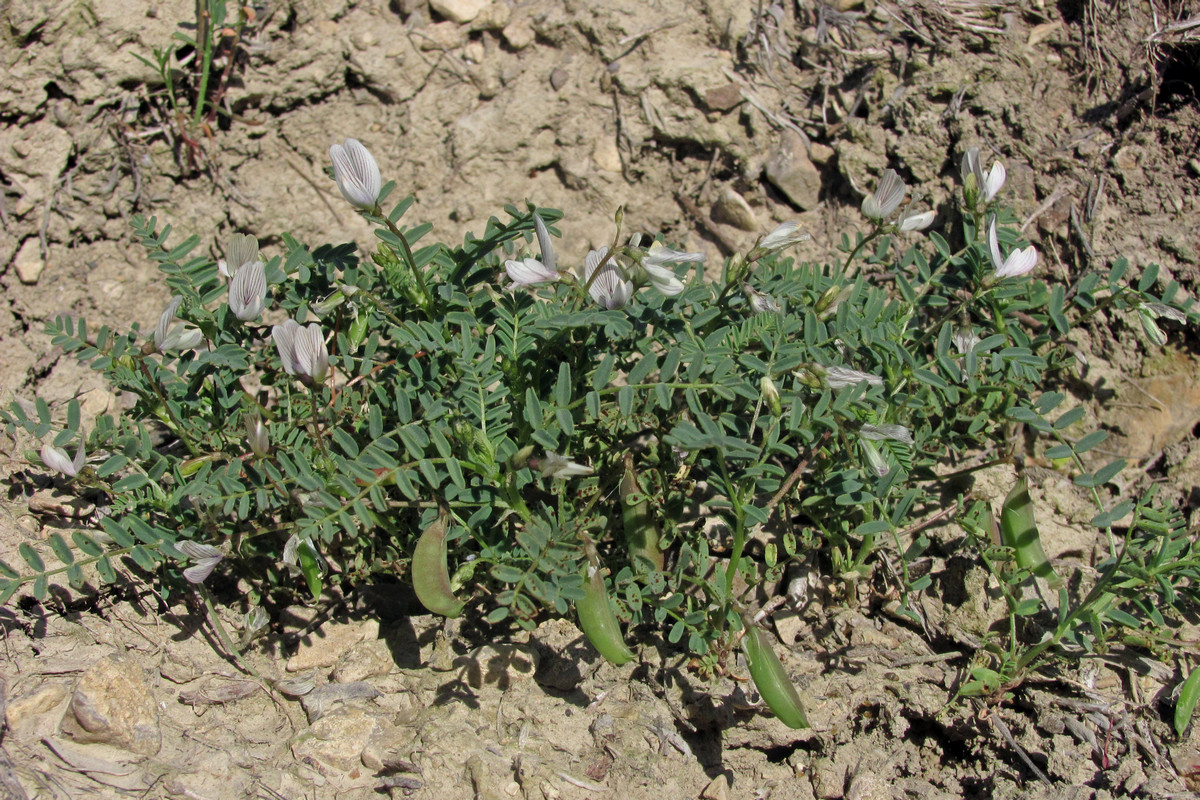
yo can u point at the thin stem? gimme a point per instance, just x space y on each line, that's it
875 234
408 256
176 424
204 37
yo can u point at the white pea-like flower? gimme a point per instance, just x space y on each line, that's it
610 288
356 173
240 250
302 350
875 459
169 336
545 244
964 340
556 466
529 271
841 377
911 220
1019 262
878 433
248 291
886 198
985 186
654 270
57 459
783 237
205 556
760 302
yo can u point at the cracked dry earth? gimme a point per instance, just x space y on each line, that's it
709 121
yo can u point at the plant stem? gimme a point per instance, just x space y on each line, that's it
162 398
204 39
409 257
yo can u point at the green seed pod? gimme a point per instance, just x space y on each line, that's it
431 576
598 622
1018 530
771 679
358 328
640 530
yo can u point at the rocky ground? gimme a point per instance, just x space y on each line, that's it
709 121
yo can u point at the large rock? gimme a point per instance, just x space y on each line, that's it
791 171
112 704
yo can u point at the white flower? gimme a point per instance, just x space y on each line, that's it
1163 310
206 557
841 377
985 186
240 250
57 459
1019 261
878 433
356 173
610 288
654 269
783 237
1154 333
545 244
964 340
910 220
760 302
169 337
248 291
291 556
875 459
886 198
528 272
556 466
302 350
256 435
659 254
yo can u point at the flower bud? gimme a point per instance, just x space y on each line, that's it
256 435
770 393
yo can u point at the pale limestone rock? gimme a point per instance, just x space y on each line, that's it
363 660
336 739
519 34
441 36
112 704
324 646
791 171
28 262
717 789
732 209
23 712
605 155
460 11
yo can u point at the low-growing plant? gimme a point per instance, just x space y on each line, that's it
630 441
193 83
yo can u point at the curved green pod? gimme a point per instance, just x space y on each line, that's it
598 621
640 530
1018 530
771 679
430 573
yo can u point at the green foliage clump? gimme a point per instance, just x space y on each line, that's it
611 439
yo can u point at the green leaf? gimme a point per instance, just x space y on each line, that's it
1093 439
130 482
1185 706
62 550
31 557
